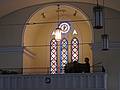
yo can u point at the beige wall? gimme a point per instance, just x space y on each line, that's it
40 35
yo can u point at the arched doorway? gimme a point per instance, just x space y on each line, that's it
38 35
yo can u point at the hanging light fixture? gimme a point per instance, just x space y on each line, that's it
105 41
104 36
98 16
57 32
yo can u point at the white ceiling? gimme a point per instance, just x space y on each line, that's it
7 6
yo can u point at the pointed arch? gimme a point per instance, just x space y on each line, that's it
53 56
63 54
75 49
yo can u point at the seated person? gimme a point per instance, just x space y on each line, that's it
87 65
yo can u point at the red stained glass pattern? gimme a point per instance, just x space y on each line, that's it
74 49
53 56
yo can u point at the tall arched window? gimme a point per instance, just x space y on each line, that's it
53 56
74 49
63 54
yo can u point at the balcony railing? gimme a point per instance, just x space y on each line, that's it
81 81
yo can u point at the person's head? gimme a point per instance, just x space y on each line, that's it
86 59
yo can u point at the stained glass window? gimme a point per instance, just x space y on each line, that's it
63 54
53 56
74 49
